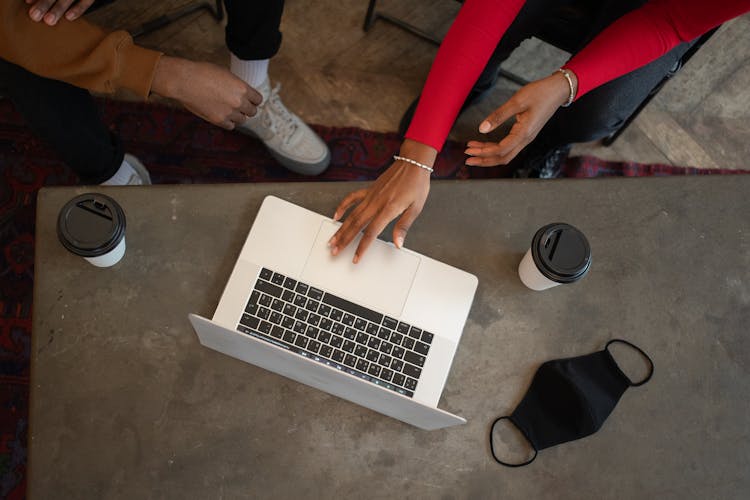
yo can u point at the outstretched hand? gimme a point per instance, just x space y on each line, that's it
533 105
52 10
400 191
209 91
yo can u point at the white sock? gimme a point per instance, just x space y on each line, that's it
253 72
124 176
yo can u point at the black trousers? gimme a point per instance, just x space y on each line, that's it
601 111
68 118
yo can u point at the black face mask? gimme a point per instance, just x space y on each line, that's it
569 399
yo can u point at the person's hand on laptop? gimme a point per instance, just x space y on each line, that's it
209 91
400 191
52 10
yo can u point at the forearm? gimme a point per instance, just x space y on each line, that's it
75 52
646 34
462 56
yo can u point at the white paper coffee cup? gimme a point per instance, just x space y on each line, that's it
559 254
92 226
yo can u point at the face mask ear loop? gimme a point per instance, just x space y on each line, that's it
492 445
651 363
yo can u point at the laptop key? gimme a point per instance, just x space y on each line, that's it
408 343
427 337
290 283
266 274
374 370
249 321
397 365
360 324
315 293
396 338
411 371
422 348
289 310
301 341
301 288
300 300
289 336
399 379
385 360
324 336
372 355
386 374
415 332
287 296
384 333
301 315
277 332
326 351
360 350
277 305
312 332
252 309
278 279
336 341
371 328
362 365
336 315
414 358
299 327
265 300
324 310
350 333
410 383
254 297
350 361
352 308
326 324
263 312
398 352
390 323
312 305
338 356
403 328
287 322
348 319
313 346
362 337
386 347
269 288
265 327
348 346
373 343
314 319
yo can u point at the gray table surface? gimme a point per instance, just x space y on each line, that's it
125 403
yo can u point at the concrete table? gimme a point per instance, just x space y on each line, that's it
125 403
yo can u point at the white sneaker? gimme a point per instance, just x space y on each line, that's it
131 173
287 137
142 177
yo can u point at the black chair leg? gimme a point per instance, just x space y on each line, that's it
217 12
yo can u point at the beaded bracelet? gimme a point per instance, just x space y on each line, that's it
409 160
572 94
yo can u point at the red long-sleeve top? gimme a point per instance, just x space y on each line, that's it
632 41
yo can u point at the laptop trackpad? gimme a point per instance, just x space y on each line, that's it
381 280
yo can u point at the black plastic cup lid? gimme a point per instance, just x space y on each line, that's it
561 252
91 225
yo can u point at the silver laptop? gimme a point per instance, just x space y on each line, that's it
381 333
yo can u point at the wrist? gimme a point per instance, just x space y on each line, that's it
566 86
167 76
418 152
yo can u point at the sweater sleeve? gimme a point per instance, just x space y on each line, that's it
75 52
461 58
646 34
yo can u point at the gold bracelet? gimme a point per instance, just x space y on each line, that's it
572 94
409 160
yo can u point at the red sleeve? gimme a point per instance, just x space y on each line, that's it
646 34
461 58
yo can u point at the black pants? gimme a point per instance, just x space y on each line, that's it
601 111
68 118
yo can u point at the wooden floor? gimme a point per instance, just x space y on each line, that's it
333 73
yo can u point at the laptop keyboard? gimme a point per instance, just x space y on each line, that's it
336 332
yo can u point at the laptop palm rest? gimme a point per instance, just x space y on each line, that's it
320 376
381 281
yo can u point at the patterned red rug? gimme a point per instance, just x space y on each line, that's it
177 148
